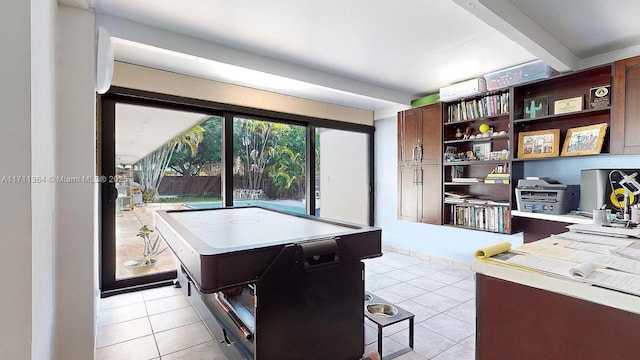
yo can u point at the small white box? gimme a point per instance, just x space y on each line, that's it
463 89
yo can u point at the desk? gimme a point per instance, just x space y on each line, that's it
307 274
526 316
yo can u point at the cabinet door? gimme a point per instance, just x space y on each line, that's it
625 125
431 134
407 193
407 136
431 194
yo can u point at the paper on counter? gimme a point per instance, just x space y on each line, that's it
555 248
492 250
583 270
626 252
604 230
618 263
594 239
594 248
616 280
543 264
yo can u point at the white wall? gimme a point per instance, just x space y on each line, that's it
344 171
76 208
442 242
43 162
15 160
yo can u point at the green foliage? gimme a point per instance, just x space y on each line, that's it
208 154
266 150
264 153
151 245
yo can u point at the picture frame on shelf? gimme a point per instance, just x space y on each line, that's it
584 140
536 107
539 144
450 153
600 97
482 150
568 105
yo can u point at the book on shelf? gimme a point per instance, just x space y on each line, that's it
456 195
498 176
496 181
487 106
466 180
481 217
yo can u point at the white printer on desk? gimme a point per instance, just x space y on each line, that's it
543 195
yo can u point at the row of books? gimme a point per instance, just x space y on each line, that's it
490 105
482 217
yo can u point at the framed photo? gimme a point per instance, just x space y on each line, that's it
568 105
536 107
600 96
584 140
450 153
482 151
538 144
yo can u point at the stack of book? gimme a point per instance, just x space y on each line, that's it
500 178
466 180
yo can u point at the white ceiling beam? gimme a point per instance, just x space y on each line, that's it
506 18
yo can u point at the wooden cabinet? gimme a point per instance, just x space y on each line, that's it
470 155
477 169
625 122
527 322
419 164
575 85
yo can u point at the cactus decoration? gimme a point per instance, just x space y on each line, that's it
535 107
532 109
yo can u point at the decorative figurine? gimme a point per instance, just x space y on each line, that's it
532 109
471 155
467 132
458 134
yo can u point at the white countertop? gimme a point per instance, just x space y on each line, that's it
567 287
571 219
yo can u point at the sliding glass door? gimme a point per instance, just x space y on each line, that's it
153 159
159 152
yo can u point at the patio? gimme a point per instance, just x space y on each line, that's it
130 247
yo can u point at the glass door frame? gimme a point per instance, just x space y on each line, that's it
106 167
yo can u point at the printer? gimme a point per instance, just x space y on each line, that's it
546 196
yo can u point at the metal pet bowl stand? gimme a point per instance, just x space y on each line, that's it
383 313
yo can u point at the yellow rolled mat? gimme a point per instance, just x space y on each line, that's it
491 250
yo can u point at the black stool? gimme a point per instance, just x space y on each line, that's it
383 313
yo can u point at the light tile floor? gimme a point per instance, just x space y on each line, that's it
161 324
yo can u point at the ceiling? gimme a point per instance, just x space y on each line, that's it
370 54
141 130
